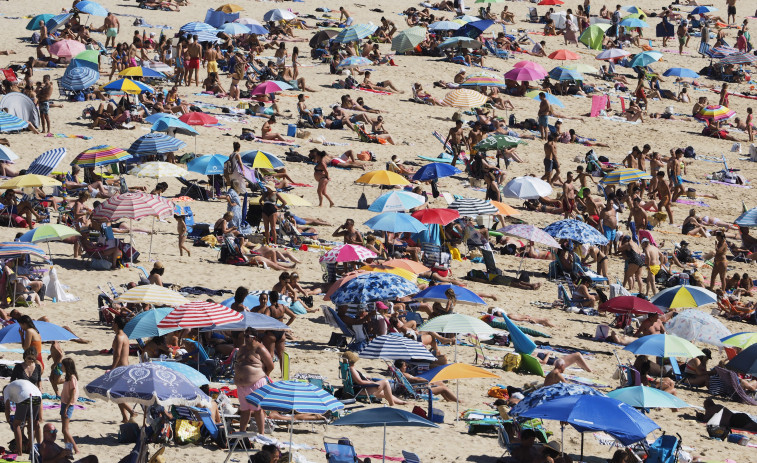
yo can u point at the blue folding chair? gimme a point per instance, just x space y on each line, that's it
341 451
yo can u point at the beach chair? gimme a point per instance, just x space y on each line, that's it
664 449
533 16
193 190
405 387
355 335
64 92
491 46
503 439
339 451
365 137
432 254
410 457
235 440
414 316
486 361
349 387
732 387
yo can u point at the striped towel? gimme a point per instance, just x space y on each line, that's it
63 135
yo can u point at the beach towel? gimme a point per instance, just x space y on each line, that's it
622 104
63 135
598 103
691 202
587 382
273 142
370 90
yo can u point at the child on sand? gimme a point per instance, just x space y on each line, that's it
181 228
749 126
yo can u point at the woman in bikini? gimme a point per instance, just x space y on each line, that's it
634 259
321 175
274 340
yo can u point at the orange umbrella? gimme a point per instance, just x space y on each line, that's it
407 264
563 55
505 209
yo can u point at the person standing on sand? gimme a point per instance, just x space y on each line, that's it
121 359
550 162
112 27
344 17
181 229
719 262
545 110
43 96
749 126
211 59
457 140
194 50
569 196
731 11
652 261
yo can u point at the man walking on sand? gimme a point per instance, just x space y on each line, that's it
545 110
652 260
550 161
195 55
43 98
457 140
121 359
112 27
731 11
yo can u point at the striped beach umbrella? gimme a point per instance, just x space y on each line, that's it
67 48
48 232
261 160
140 71
354 62
715 112
624 176
739 58
11 123
471 207
129 86
152 294
210 164
199 314
408 39
57 21
90 7
612 53
29 181
684 296
483 81
79 78
196 26
158 169
747 218
347 253
382 177
278 14
132 206
208 37
100 155
47 162
17 249
355 33
391 347
397 201
155 143
7 154
464 98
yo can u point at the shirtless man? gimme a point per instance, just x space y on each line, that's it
112 27
582 176
652 325
652 260
677 180
731 11
663 192
43 97
719 262
637 218
608 224
194 50
348 232
385 86
545 110
344 17
568 196
211 60
457 140
556 375
592 206
121 359
550 161
44 41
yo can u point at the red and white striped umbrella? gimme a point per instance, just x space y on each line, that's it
133 206
199 314
347 253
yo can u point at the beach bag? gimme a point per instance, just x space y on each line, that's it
498 393
100 264
362 202
128 433
187 432
511 362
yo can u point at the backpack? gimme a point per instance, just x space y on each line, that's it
688 152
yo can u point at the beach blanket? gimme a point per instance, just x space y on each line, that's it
63 135
201 291
598 103
525 329
370 90
691 202
273 142
587 382
619 119
740 95
730 184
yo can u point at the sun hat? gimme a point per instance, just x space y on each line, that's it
554 445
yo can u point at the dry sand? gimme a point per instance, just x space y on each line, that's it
96 427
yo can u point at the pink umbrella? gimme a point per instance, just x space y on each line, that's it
67 48
347 253
530 64
525 73
267 87
199 314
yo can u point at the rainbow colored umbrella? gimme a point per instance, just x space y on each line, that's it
100 155
129 86
483 81
624 176
715 112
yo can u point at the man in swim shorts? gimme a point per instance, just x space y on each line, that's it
111 27
545 110
652 260
731 11
193 66
211 59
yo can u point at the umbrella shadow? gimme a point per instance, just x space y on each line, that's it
482 458
104 440
309 346
69 263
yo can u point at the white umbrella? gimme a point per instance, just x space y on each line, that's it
22 390
527 188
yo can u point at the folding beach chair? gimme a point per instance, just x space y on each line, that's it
410 457
340 451
405 387
664 449
732 386
356 336
235 440
349 387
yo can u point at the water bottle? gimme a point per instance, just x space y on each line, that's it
683 278
70 447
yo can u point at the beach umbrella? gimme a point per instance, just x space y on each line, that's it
354 62
531 233
66 48
580 67
266 88
551 2
235 29
90 56
596 413
209 164
460 42
11 123
703 10
22 390
593 36
624 176
647 397
464 98
741 340
715 113
153 118
199 314
46 162
172 126
194 376
253 299
407 264
147 384
444 26
395 222
547 393
347 253
152 294
633 23
57 21
551 99
29 181
435 170
577 231
278 14
680 72
254 320
158 169
145 324
436 216
409 276
100 155
198 118
525 73
474 29
471 207
612 53
79 78
132 206
496 141
355 33
126 85
739 58
261 160
208 37
632 9
483 80
373 287
456 371
466 18
257 29
382 177
47 331
663 345
397 201
323 35
504 209
531 65
383 416
155 143
408 39
7 154
230 8
291 200
630 304
563 55
435 293
646 58
391 347
141 71
196 27
33 24
93 8
458 324
747 218
562 74
48 232
745 361
695 325
16 250
683 296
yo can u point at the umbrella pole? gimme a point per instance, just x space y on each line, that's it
582 447
31 429
291 425
131 243
383 454
562 435
457 402
152 232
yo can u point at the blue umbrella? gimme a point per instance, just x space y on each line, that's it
194 376
684 296
474 29
354 62
647 397
235 29
561 73
16 250
257 29
436 294
196 26
79 78
355 33
83 63
396 201
633 22
155 143
747 219
125 85
33 25
11 123
703 10
663 345
551 99
645 58
373 287
57 21
434 171
7 154
47 332
254 320
153 118
391 347
395 222
172 125
249 156
576 230
47 162
145 324
545 394
146 384
210 164
141 71
596 413
208 36
680 72
444 26
89 7
745 362
463 42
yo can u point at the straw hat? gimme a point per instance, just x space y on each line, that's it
158 264
554 445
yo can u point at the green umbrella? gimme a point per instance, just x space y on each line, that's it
408 39
647 397
88 55
498 142
593 36
458 324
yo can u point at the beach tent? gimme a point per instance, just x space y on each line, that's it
21 106
219 18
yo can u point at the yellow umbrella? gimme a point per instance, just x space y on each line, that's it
382 177
229 8
406 274
504 209
457 371
152 294
29 181
291 200
261 161
407 264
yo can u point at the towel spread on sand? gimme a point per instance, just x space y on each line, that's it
63 135
691 202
